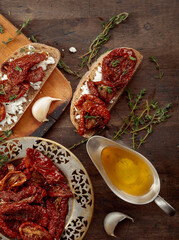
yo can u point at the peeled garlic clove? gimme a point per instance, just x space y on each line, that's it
112 219
41 108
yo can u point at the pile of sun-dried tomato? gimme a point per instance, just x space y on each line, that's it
33 198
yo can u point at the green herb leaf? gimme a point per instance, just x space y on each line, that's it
1 29
17 68
22 50
109 89
2 93
12 97
115 63
161 74
33 39
23 26
66 68
132 58
124 72
8 41
3 160
91 117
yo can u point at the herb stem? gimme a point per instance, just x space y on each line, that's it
101 39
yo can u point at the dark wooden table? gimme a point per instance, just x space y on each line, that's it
153 29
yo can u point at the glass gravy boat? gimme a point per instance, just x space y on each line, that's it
96 144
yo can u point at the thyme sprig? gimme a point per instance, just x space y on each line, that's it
3 160
5 135
66 68
33 39
142 122
161 74
19 31
133 106
84 140
102 38
1 29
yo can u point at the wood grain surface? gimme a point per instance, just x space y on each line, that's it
153 29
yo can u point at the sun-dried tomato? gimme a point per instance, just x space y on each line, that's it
43 165
14 226
5 169
61 190
53 218
12 179
93 113
37 179
17 70
42 217
6 229
2 111
118 66
10 93
31 231
35 75
41 193
63 212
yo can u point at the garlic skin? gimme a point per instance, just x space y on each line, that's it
112 219
41 108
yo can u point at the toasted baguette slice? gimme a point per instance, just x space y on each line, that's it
90 76
31 94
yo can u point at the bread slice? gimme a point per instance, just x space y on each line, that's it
90 76
31 94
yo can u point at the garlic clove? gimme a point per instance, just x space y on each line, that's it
41 108
112 219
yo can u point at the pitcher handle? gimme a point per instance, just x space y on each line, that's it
165 206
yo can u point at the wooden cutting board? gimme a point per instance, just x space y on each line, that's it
56 86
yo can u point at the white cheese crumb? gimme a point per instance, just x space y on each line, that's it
112 100
72 50
43 64
12 108
63 50
4 77
85 89
36 85
77 117
30 47
98 76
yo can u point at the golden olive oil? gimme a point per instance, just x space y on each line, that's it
127 171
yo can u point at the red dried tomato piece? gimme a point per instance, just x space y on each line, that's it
92 88
61 190
53 217
63 212
118 66
2 112
41 193
42 217
44 166
10 92
6 229
93 113
5 169
18 211
31 231
12 179
35 75
17 70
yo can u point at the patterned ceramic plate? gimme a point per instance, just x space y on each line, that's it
81 206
